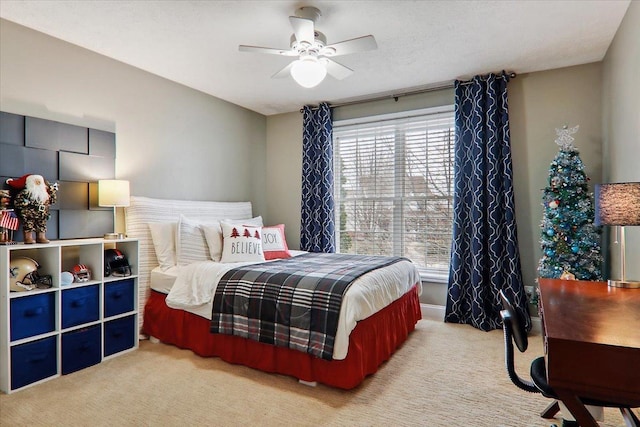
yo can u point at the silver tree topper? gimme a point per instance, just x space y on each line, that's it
565 140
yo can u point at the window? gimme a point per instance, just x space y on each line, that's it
394 187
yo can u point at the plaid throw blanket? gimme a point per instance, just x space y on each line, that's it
292 303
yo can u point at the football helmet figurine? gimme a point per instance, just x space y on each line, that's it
23 275
115 263
81 273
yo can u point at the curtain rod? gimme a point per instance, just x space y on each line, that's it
395 97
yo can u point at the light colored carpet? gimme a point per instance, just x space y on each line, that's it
444 375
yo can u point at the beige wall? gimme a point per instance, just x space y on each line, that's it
172 141
284 171
538 104
621 124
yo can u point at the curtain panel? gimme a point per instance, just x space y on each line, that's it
317 230
484 252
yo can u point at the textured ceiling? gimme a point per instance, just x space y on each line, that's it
420 43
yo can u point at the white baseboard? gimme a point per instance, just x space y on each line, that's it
436 312
432 312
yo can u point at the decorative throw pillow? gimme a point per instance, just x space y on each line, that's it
213 233
213 236
274 244
163 235
191 245
241 243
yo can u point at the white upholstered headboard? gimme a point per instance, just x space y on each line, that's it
143 210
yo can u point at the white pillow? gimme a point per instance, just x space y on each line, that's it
163 235
241 243
213 233
191 245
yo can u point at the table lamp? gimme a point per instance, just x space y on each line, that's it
113 193
619 204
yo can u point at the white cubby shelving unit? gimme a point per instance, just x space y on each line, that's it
45 333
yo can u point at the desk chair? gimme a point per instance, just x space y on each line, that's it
514 331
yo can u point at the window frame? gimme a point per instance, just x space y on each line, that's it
431 275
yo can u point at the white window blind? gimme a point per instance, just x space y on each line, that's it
394 187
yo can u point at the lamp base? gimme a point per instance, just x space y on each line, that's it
629 284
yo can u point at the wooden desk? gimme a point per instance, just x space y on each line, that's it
592 343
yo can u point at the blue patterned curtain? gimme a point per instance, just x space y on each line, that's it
484 251
317 231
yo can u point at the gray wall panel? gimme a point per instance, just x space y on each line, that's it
11 128
41 162
11 160
56 136
79 167
60 153
81 224
102 143
73 195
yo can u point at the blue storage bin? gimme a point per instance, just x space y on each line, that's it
80 305
33 361
119 335
118 297
32 315
81 348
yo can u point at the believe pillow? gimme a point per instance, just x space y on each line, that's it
274 244
241 243
213 233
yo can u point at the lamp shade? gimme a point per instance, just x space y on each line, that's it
113 192
618 204
308 71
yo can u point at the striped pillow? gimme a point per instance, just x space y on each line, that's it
191 245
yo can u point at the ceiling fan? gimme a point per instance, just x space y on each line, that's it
310 46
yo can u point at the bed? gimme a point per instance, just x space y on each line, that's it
372 333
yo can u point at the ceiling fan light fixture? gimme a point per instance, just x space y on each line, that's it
308 72
315 56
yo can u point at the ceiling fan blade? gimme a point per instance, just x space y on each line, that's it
269 50
335 70
285 72
303 29
359 44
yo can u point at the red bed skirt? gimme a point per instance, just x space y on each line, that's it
370 344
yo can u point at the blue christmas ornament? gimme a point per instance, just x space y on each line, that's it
550 232
575 249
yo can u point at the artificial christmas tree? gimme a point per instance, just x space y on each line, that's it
570 241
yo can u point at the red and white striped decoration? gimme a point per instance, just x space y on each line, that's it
9 220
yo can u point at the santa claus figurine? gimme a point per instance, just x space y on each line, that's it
32 205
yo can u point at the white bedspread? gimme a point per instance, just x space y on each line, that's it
196 284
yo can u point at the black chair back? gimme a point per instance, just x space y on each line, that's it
517 323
